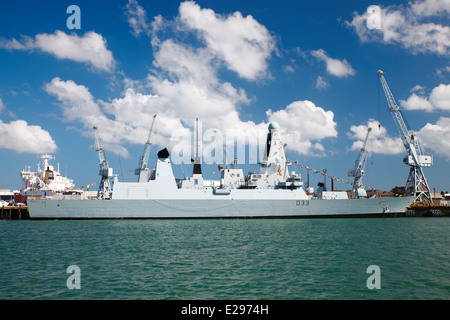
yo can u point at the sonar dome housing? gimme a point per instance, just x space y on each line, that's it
274 127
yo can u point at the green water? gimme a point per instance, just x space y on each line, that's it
277 259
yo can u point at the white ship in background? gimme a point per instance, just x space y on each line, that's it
45 182
272 192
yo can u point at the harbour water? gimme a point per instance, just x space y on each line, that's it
276 259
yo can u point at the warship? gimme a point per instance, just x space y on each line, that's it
273 192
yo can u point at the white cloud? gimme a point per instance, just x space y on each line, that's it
12 44
241 42
21 137
89 48
183 84
379 141
76 99
117 120
302 123
181 61
78 104
321 83
431 7
439 99
429 133
335 67
2 105
125 109
186 83
418 88
415 102
137 18
289 69
405 26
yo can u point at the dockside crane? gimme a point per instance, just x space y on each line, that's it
358 170
416 183
142 171
104 189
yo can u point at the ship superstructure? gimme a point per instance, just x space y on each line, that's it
46 181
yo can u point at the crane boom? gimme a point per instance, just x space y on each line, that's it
98 146
358 170
412 147
104 189
416 158
143 162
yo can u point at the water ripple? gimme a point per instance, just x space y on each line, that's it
226 259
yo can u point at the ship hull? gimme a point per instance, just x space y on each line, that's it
215 208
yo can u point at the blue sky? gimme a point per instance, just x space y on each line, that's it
311 66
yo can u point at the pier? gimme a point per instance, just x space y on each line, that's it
427 211
14 213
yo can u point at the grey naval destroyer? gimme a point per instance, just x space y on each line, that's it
272 192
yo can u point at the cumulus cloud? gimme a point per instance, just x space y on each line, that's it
335 67
408 27
241 42
183 84
137 18
78 104
76 99
429 133
189 82
91 48
22 137
379 140
415 102
303 125
439 99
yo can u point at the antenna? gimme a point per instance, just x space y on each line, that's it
307 177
